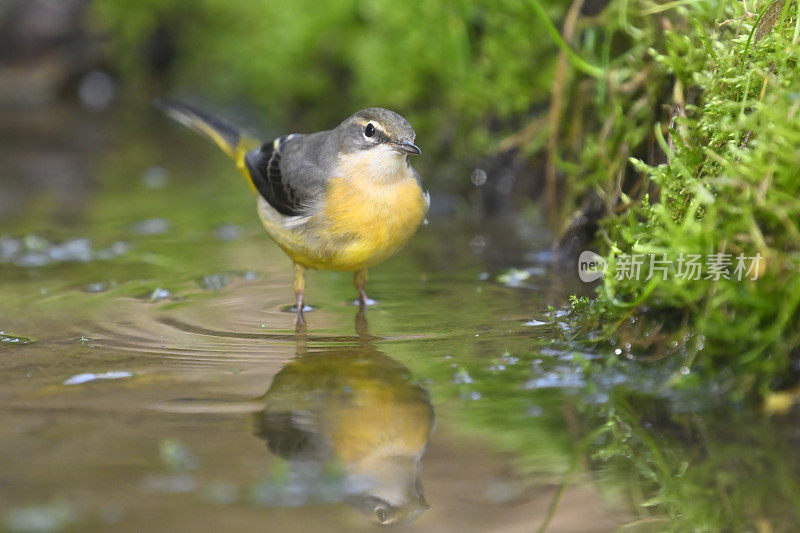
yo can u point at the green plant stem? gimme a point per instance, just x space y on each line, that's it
577 61
796 24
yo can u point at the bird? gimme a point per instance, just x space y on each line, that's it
357 409
351 422
343 199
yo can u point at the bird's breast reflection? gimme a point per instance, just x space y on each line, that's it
357 410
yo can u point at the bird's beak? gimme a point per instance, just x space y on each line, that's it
406 147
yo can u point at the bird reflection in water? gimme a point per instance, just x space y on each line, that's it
357 409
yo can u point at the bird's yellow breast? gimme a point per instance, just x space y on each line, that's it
369 210
366 221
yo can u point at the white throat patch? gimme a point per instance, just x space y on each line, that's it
380 163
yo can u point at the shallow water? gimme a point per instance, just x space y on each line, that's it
151 376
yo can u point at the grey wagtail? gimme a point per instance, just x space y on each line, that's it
342 199
357 409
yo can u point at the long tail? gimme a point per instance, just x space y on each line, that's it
229 138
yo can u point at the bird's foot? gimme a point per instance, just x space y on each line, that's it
360 281
300 330
365 302
362 329
299 308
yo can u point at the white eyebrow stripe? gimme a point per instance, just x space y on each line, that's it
375 123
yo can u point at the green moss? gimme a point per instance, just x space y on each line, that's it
729 129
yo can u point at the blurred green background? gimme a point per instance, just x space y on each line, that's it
459 70
468 74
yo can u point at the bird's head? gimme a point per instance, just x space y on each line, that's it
393 494
382 513
378 130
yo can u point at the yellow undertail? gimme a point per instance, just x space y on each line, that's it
227 137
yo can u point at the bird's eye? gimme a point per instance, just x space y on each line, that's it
381 514
369 131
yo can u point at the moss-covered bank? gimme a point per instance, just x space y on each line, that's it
701 162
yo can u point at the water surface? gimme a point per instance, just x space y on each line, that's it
151 376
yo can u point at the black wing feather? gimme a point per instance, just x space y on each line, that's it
264 166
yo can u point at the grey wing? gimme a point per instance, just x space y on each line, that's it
292 171
424 192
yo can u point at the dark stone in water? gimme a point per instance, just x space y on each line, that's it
45 47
